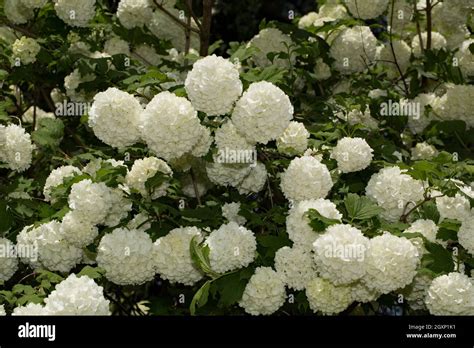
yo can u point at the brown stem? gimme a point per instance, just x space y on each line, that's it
418 28
174 18
206 27
187 32
189 6
428 24
196 191
393 52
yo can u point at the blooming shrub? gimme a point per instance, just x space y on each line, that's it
323 167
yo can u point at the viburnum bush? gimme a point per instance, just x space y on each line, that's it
325 166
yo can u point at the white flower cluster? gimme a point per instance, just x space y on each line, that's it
72 82
227 138
393 190
144 169
466 234
264 293
294 140
366 9
427 228
423 151
457 104
126 257
418 290
231 247
402 15
16 149
295 266
306 178
270 40
147 55
76 13
17 12
400 56
28 116
170 126
339 254
297 223
77 231
77 296
262 113
451 294
134 13
56 178
173 258
353 49
352 154
8 259
438 42
31 309
114 117
322 71
25 50
325 297
254 181
465 58
418 124
457 207
230 211
391 263
47 248
213 85
116 45
360 292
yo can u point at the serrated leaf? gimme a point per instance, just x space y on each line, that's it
92 272
360 207
318 222
49 133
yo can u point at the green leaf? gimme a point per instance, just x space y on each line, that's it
6 220
49 133
92 272
200 257
200 297
439 259
230 287
360 207
318 222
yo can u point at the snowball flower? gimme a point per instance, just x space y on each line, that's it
295 266
8 259
438 42
322 71
230 211
231 247
147 168
116 45
457 104
423 151
391 263
33 4
262 113
353 49
25 50
427 228
213 85
134 13
126 257
170 125
297 223
56 178
339 254
76 13
31 309
389 60
393 190
228 140
418 290
173 257
451 294
114 117
306 178
255 180
227 174
366 9
465 58
294 140
264 293
91 200
456 207
466 234
327 298
362 293
74 230
77 296
352 154
418 124
16 149
17 12
270 40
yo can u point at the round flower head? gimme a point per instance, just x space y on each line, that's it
465 58
339 254
402 15
25 50
352 154
227 174
213 85
417 123
16 149
126 257
119 207
417 291
391 263
76 13
91 200
389 60
457 104
74 230
466 234
423 151
77 296
306 178
262 113
115 45
8 260
294 140
297 223
172 256
170 126
255 180
393 190
17 12
457 207
362 293
228 140
114 118
366 9
264 293
451 294
322 71
231 247
31 309
56 178
353 49
438 42
147 168
134 13
295 266
327 298
270 40
427 228
230 211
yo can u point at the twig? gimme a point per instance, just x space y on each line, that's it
428 24
205 33
189 6
196 191
173 17
393 51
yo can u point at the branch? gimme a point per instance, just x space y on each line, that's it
206 27
189 6
393 52
428 24
18 28
176 19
